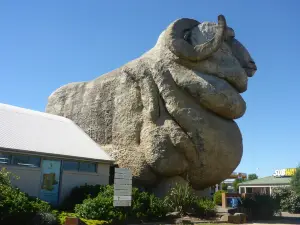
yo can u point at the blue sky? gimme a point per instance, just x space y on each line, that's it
46 44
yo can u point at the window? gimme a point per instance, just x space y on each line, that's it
25 160
5 158
80 166
87 167
20 160
71 165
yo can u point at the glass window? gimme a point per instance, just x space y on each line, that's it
5 158
249 190
24 160
87 167
70 165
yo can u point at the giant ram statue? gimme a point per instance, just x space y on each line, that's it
169 114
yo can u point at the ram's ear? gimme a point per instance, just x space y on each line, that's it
176 39
230 34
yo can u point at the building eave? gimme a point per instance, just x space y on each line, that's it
57 156
262 185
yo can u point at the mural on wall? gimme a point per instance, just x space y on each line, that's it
49 181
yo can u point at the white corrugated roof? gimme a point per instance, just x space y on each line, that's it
28 130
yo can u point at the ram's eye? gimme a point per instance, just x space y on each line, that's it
229 40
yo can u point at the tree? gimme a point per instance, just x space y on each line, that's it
236 182
295 181
224 186
252 176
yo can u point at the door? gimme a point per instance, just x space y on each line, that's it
50 181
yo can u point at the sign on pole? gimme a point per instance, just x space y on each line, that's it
122 187
285 172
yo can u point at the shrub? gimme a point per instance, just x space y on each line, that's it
206 208
78 194
144 206
218 197
236 182
44 219
38 205
262 206
157 208
95 222
295 181
291 204
63 216
12 200
224 187
180 199
16 207
5 177
287 198
99 208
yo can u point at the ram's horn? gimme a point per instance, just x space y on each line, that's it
174 38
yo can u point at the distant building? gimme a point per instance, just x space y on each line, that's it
281 178
229 182
49 153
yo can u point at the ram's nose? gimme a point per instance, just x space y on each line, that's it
250 68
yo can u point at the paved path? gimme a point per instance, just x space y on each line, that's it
287 219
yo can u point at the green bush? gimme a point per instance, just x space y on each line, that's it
205 208
16 207
180 199
157 208
95 222
144 206
287 198
78 194
13 202
218 197
38 205
262 206
63 216
5 177
99 208
43 218
295 181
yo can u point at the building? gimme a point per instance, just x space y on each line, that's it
50 154
281 178
229 182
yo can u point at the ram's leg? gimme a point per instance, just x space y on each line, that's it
160 153
217 140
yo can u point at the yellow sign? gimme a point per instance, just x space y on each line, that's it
290 172
285 172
